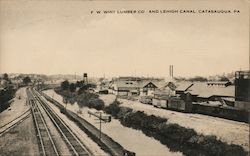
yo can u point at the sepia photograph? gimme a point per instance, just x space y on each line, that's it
124 78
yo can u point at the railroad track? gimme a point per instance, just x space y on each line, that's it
47 145
13 123
76 147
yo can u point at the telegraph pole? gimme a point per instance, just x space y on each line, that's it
101 118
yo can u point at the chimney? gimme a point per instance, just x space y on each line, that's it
171 71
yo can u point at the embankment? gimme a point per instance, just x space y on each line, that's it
106 143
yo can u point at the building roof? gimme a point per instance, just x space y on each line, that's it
128 78
202 90
171 85
161 92
126 84
143 83
182 86
161 84
225 83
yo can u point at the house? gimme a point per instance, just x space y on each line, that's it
208 93
182 87
147 88
166 97
140 86
167 88
125 87
134 86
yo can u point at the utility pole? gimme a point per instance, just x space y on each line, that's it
101 118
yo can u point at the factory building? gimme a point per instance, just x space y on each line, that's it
242 90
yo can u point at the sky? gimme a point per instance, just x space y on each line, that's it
64 37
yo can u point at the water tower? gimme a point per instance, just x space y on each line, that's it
85 78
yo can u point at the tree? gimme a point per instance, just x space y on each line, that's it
26 80
223 78
65 85
6 76
198 78
79 83
85 87
72 87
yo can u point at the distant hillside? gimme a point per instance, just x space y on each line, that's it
67 76
218 77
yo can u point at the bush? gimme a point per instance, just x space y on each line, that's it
85 87
5 96
96 103
139 120
90 100
133 119
72 87
152 122
113 109
26 80
65 85
123 112
86 99
234 150
176 132
198 78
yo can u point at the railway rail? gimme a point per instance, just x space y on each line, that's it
13 123
76 147
47 145
106 143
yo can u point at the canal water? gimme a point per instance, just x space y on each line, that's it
130 139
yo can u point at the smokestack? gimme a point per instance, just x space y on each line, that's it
172 70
